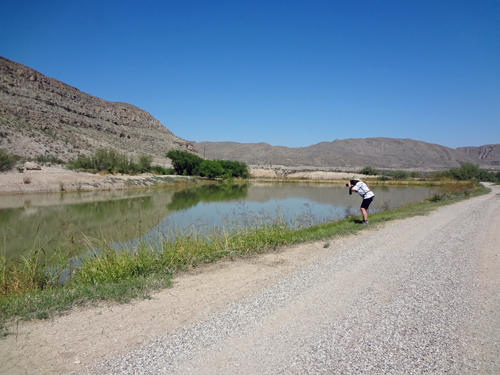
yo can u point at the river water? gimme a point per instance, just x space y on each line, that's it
76 222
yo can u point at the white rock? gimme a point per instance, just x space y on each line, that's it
32 166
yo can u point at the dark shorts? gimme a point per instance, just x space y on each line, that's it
366 203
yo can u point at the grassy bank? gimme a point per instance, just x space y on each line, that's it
29 290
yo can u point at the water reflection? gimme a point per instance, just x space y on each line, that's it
185 199
71 221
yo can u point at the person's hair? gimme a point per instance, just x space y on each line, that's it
354 182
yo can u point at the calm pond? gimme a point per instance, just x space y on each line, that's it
76 222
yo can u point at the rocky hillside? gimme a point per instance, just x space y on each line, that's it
488 154
346 154
41 115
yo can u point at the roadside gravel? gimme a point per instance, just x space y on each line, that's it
416 296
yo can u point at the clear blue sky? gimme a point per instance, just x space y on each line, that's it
289 73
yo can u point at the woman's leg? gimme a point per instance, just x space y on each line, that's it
364 213
364 208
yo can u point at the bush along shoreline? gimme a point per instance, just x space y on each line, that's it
31 290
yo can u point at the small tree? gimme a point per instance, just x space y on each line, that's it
234 168
211 169
465 172
184 162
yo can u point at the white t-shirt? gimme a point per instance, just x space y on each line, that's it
363 190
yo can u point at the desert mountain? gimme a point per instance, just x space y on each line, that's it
41 115
387 153
488 154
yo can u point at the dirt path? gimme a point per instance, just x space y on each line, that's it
414 296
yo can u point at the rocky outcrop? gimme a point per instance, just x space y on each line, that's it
41 115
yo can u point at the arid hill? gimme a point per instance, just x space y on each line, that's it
387 153
488 154
41 115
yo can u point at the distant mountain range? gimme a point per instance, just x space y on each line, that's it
41 115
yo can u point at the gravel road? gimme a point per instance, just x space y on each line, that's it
415 296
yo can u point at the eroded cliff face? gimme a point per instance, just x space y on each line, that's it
489 154
41 115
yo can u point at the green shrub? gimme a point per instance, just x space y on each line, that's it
369 171
467 171
158 169
126 166
7 160
81 162
111 161
400 175
185 163
441 174
234 168
435 198
51 159
108 160
211 169
145 163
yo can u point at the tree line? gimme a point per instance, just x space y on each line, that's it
188 164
